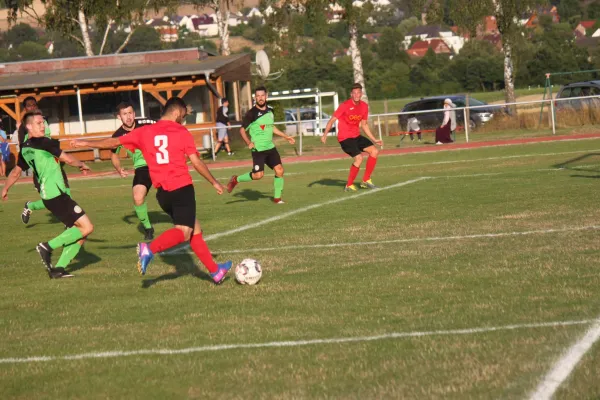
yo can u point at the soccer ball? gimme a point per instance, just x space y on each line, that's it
248 272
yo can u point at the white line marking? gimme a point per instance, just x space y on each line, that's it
294 212
294 343
411 240
567 363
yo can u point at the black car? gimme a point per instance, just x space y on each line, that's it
578 89
478 116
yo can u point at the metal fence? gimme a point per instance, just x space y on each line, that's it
580 111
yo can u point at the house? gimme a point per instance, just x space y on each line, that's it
255 12
205 25
49 47
371 37
489 26
433 32
584 28
340 53
531 20
420 48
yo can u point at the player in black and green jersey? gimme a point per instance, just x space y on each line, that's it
44 155
141 178
30 104
259 124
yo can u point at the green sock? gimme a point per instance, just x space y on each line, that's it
245 178
278 184
36 205
68 236
68 254
68 191
142 214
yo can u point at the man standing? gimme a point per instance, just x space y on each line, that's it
141 178
166 146
259 123
43 154
222 124
353 115
30 104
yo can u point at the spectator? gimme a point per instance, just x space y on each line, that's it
413 127
222 124
4 151
442 134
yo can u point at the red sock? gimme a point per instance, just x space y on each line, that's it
371 161
352 176
203 253
166 240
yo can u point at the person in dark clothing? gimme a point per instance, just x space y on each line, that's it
222 124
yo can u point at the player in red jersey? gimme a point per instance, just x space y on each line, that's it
166 146
353 115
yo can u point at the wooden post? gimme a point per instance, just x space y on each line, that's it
385 111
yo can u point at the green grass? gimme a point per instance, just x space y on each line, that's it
321 292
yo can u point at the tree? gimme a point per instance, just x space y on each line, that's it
145 38
72 18
469 14
20 33
222 9
28 51
389 45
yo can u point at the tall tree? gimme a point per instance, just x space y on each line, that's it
469 14
77 19
222 9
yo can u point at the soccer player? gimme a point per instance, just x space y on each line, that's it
353 115
141 178
43 154
30 104
259 123
165 146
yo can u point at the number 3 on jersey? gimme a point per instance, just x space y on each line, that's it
162 155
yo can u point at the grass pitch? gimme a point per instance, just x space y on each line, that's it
417 256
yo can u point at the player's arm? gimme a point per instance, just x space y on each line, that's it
328 128
245 138
203 170
72 161
13 177
289 138
110 143
365 126
116 162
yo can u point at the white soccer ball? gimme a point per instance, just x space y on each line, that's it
248 272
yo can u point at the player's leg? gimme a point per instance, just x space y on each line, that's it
79 227
218 147
258 171
141 185
200 248
31 206
368 147
84 224
350 147
273 161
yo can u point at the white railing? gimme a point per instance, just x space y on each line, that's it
319 125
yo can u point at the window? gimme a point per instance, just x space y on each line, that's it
575 92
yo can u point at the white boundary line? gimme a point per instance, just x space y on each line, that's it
411 240
294 343
294 212
566 364
398 166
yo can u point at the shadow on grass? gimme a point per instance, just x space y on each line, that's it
155 217
248 195
568 165
84 259
184 264
328 182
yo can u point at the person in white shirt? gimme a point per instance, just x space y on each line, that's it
413 126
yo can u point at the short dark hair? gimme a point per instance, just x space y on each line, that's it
261 89
224 100
29 116
173 104
357 86
123 105
26 99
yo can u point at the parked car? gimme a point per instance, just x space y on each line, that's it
307 128
578 89
477 116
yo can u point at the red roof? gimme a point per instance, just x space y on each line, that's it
419 48
587 24
420 44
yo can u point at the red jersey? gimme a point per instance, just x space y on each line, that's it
350 115
165 146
